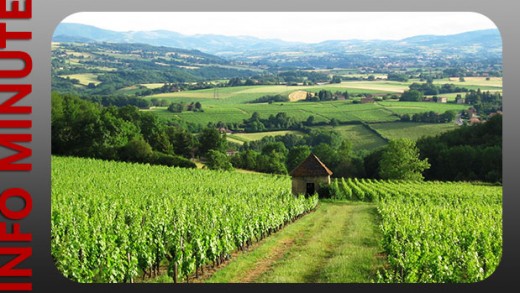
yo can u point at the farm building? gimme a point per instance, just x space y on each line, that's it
366 100
308 175
442 100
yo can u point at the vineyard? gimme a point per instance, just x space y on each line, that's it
433 232
116 222
113 221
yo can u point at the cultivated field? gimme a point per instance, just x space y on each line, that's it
244 94
121 222
246 137
230 105
343 111
114 222
411 130
433 232
84 78
360 136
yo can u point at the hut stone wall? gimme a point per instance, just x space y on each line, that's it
299 184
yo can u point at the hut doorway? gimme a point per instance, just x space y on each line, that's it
310 189
309 175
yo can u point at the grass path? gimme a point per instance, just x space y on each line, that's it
338 243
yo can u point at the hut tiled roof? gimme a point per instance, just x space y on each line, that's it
311 167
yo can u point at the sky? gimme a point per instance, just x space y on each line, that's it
308 27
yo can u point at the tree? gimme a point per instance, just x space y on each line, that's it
183 141
176 107
153 131
310 121
334 122
217 160
405 118
245 159
112 133
275 147
137 150
271 163
211 139
296 155
397 77
325 95
235 82
336 79
400 160
327 154
249 82
412 95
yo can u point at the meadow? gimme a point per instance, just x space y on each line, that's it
343 111
232 105
247 137
411 130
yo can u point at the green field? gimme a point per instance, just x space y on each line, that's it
493 82
359 135
382 115
411 130
244 94
421 107
322 111
246 137
230 104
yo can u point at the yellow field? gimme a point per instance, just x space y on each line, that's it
259 135
84 78
152 85
479 81
389 86
297 96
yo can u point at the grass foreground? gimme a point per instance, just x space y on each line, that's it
337 243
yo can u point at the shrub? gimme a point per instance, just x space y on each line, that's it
159 158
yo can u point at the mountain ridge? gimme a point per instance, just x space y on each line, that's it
217 44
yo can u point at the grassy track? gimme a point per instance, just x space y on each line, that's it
338 243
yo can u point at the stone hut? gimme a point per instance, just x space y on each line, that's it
308 175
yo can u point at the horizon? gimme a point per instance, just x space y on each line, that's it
277 39
326 26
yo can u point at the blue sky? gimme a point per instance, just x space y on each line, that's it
309 27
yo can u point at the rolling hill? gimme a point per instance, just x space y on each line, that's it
480 45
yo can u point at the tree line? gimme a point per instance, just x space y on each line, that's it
86 129
468 153
429 117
